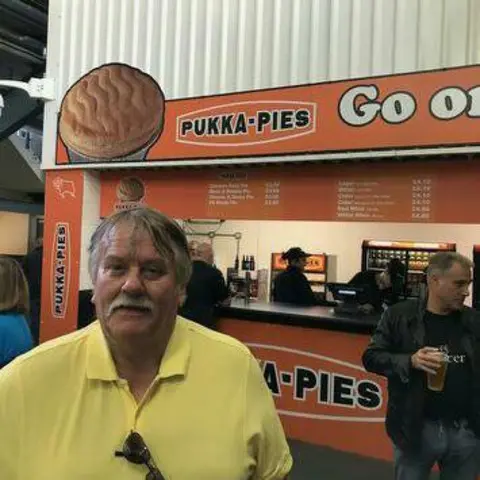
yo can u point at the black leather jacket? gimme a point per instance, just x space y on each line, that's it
399 334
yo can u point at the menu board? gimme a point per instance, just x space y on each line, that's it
440 192
237 190
383 199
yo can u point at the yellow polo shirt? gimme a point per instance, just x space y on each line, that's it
207 416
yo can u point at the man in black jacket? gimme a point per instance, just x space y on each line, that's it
432 419
206 287
291 286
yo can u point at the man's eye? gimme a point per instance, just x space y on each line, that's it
153 271
115 268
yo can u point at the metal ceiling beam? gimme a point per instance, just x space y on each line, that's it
24 18
18 51
23 41
28 154
18 109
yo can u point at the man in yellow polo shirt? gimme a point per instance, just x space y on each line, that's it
141 393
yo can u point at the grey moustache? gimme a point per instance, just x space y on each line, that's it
126 302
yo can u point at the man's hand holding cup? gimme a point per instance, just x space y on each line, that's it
433 361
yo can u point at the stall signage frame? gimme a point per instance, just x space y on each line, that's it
429 112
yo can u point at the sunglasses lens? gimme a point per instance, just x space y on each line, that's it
154 476
135 450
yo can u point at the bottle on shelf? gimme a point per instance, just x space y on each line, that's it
252 263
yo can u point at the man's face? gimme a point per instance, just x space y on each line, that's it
451 288
384 280
135 291
207 254
300 263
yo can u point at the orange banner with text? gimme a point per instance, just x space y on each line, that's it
316 263
370 117
322 393
393 192
61 257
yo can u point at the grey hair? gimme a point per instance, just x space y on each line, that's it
167 237
441 262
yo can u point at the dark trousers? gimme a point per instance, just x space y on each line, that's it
453 447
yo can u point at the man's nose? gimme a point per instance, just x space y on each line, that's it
133 282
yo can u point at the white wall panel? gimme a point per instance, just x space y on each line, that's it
203 47
208 46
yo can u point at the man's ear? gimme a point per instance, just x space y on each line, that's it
432 279
181 296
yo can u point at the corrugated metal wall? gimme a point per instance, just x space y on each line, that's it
203 47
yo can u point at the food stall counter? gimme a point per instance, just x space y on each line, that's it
310 317
311 361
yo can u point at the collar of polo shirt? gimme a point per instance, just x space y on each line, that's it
100 365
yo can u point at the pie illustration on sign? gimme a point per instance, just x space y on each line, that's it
113 113
130 189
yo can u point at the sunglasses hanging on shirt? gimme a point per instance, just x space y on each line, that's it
135 450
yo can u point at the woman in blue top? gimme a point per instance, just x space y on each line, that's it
15 335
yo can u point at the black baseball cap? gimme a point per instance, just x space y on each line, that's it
294 253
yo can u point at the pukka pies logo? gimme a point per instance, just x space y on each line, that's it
310 385
60 269
247 123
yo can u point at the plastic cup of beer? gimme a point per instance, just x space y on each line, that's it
436 381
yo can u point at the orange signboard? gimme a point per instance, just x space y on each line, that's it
416 112
393 192
61 255
316 263
322 393
410 245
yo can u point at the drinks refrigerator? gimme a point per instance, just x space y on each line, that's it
316 271
414 255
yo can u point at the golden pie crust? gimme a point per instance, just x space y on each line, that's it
111 112
130 189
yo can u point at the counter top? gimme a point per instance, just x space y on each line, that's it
309 317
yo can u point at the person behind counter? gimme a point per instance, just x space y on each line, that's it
142 389
380 287
206 287
292 286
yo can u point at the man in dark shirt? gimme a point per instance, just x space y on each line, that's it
291 286
206 287
380 287
429 351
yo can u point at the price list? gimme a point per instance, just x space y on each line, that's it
363 200
421 199
406 192
272 194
